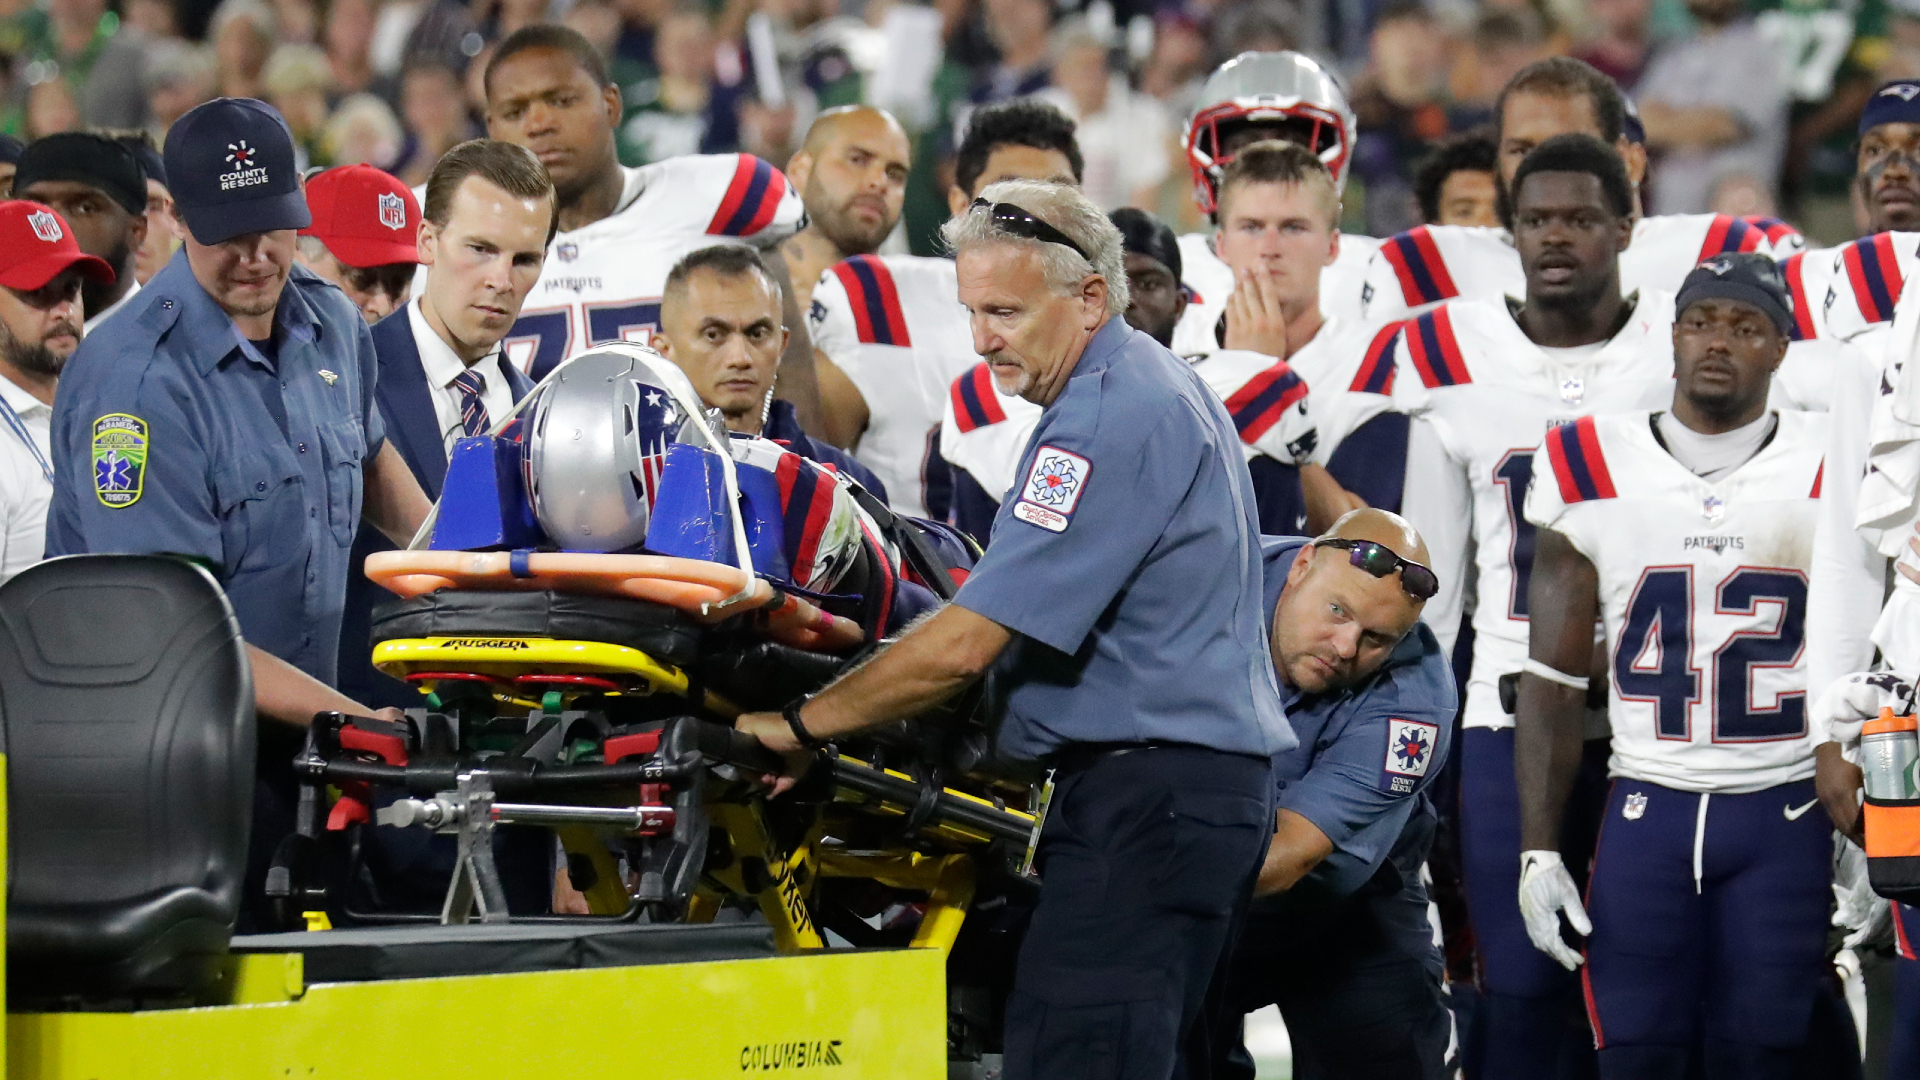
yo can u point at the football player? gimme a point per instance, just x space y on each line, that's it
1455 184
1254 97
622 230
1488 377
1688 532
1841 292
851 172
890 327
1431 263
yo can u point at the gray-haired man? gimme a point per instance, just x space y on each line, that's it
1121 600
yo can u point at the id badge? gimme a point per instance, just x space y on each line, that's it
1039 823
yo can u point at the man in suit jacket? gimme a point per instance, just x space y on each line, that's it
490 211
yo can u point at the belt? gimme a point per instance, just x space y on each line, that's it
1076 757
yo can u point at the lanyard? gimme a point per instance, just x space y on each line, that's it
20 429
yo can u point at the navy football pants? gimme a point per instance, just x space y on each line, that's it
1709 925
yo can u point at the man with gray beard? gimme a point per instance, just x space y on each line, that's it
41 267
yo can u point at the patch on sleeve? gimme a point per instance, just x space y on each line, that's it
119 459
1410 747
1052 489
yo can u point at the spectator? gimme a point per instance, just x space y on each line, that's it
243 35
362 131
80 43
41 271
179 76
296 81
1125 137
349 41
1260 26
362 237
296 22
1714 108
1018 29
10 150
433 109
163 227
1401 108
1621 42
685 110
97 185
1455 184
155 20
1504 40
51 108
632 57
1177 65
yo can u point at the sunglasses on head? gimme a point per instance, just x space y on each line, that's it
1013 219
1381 560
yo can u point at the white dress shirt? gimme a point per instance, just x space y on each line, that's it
94 322
24 491
442 365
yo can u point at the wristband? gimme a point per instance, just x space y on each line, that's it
1555 675
800 733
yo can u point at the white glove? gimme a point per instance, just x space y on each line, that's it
1546 890
1858 698
1866 915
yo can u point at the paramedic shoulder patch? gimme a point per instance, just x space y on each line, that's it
1410 748
1052 489
119 459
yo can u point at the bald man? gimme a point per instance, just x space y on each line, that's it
1338 934
852 175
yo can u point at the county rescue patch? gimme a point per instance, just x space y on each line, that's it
1052 489
119 459
1410 747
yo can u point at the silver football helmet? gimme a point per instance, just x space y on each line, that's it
597 439
1256 87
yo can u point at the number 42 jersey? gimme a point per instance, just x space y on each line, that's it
1703 590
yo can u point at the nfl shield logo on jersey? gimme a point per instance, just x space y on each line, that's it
1572 391
1636 807
45 225
393 212
1714 509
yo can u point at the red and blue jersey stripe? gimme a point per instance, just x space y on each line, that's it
1376 368
1803 329
752 199
806 504
1818 476
1729 234
975 402
1435 351
1578 464
1259 404
1772 228
1874 272
1416 260
875 299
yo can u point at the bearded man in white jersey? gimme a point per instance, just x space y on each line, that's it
1429 264
1688 531
622 230
1490 378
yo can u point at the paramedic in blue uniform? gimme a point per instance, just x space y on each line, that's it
1338 935
227 415
1121 603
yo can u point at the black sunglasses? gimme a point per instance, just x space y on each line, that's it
1013 219
1381 560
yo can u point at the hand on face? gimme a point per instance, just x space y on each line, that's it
1255 322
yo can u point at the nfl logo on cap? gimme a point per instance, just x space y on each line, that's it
45 226
393 212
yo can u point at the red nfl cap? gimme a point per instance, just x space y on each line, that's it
36 246
364 216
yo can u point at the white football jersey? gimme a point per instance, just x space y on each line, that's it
1209 282
1703 590
1489 394
1426 265
985 433
1842 292
894 325
602 282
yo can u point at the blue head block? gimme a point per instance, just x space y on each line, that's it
766 532
483 504
689 518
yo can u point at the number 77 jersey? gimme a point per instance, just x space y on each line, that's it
1703 590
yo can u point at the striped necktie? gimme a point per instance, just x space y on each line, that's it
473 408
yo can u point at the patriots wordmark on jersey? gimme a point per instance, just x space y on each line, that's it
603 282
894 325
1209 282
1703 590
1429 264
1489 394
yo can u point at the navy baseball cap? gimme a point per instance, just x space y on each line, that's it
1747 277
229 166
1896 102
1143 234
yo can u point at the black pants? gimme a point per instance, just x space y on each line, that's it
1355 1009
1147 861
